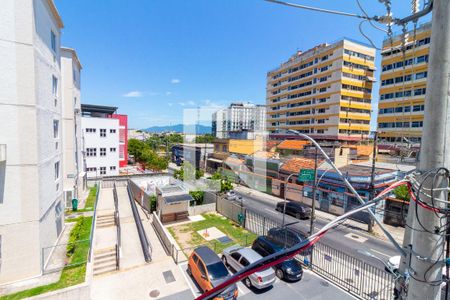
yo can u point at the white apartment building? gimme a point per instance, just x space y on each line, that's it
73 173
239 117
31 181
101 140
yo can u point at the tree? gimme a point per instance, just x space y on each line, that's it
146 156
136 148
198 196
187 172
402 193
225 183
206 138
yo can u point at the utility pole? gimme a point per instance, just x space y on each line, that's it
372 177
313 204
428 245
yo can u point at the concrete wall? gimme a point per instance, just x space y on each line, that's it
27 111
200 209
93 140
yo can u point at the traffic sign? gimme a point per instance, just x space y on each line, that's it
306 175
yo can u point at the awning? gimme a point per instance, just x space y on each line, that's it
215 160
177 198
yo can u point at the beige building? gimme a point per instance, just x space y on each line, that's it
325 91
72 167
31 154
403 86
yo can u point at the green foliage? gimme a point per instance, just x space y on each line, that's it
71 275
206 138
143 153
225 183
152 202
187 172
402 193
90 201
163 142
198 196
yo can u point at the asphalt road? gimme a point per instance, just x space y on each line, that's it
342 238
309 287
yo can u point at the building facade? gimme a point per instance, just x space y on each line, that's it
239 117
123 139
101 140
31 151
73 173
403 86
325 92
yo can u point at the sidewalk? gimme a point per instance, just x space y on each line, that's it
396 232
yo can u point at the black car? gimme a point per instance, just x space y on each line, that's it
287 237
289 269
295 209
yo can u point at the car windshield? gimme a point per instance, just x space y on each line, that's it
217 271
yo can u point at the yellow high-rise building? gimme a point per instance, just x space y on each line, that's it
325 92
403 86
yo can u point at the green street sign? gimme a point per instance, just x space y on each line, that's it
306 175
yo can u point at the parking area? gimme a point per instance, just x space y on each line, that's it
310 287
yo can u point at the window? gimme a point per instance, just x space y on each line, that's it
112 131
55 129
417 124
236 256
56 170
91 169
244 262
91 130
53 40
112 168
54 86
91 152
419 92
102 132
102 170
421 75
112 149
102 151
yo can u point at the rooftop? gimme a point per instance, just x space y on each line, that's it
295 164
93 108
292 144
363 170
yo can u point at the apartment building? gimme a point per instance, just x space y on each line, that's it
31 151
239 117
73 173
101 129
403 86
325 92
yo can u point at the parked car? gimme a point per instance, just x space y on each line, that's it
208 271
289 269
287 237
238 257
231 195
295 209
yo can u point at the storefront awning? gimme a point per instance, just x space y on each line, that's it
215 160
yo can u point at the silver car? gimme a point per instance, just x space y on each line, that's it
238 257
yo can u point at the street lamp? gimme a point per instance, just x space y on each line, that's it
285 200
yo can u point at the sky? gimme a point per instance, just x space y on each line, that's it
155 59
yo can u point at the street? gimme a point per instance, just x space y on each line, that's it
342 238
304 289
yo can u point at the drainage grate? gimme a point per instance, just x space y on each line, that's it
168 276
224 239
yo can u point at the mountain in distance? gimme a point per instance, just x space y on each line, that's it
180 128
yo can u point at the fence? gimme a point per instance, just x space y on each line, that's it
355 276
118 228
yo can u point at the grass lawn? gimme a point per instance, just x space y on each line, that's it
70 275
90 201
187 237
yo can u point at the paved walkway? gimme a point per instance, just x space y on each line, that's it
396 232
161 277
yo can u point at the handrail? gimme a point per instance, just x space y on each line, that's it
94 220
146 247
118 228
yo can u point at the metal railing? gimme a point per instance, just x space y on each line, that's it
359 278
146 246
94 220
118 246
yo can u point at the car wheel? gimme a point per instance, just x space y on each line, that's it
188 271
279 273
248 282
298 216
224 260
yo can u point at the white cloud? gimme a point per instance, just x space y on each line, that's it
133 94
191 103
181 103
170 104
168 93
175 81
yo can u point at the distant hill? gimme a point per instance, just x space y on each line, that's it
198 129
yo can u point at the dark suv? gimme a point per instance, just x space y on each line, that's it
289 269
295 209
287 237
